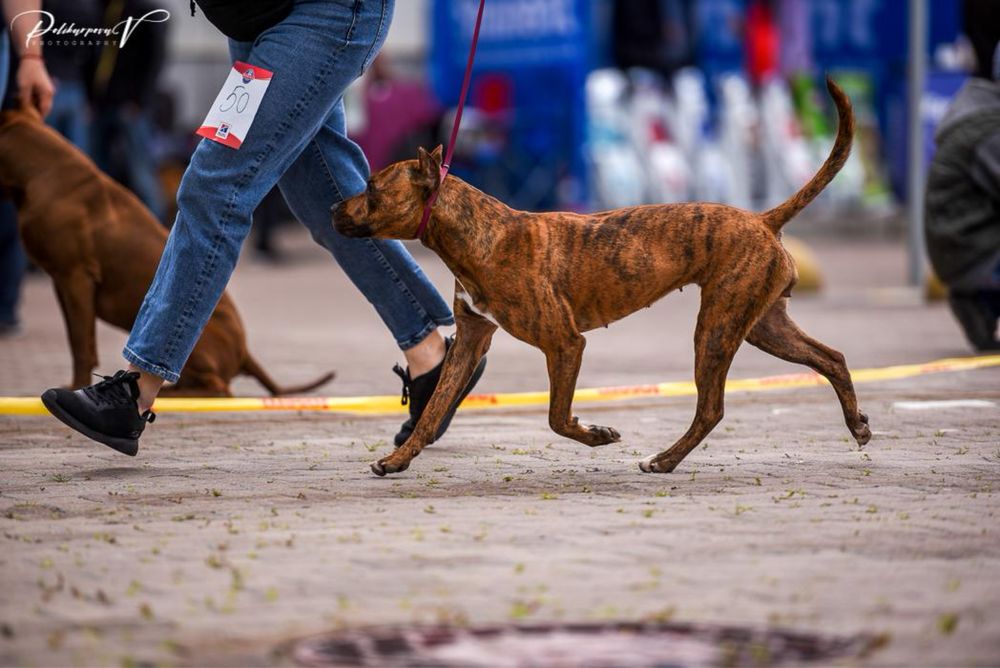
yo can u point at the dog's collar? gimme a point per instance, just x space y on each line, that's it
434 195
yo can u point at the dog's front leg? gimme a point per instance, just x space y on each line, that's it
76 293
472 339
563 359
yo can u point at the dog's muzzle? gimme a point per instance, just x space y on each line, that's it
342 223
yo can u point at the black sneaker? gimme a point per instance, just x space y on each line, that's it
417 393
107 412
977 314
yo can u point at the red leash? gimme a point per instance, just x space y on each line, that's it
446 165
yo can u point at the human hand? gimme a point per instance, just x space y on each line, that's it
34 85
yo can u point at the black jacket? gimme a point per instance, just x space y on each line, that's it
963 184
128 75
243 20
68 58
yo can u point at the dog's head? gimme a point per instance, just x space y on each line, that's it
393 203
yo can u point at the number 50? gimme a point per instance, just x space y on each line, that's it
239 98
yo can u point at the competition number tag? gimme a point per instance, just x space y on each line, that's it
233 111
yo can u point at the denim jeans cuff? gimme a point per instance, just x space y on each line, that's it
155 369
411 341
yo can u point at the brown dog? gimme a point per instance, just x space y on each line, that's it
101 247
545 278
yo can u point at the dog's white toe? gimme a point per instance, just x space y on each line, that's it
646 465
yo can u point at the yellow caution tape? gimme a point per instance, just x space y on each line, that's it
390 403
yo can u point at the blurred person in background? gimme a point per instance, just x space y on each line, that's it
962 222
655 34
271 214
314 49
33 86
123 89
70 62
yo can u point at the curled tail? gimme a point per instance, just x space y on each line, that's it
253 368
784 212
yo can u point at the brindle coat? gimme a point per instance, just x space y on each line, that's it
101 247
546 278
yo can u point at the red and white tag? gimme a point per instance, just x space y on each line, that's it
233 111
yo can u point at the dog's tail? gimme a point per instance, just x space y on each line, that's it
784 212
253 368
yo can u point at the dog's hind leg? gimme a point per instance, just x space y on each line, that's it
725 318
563 361
472 339
777 334
76 293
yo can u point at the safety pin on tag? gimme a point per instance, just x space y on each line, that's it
231 115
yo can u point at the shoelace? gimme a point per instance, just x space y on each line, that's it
116 390
112 390
404 375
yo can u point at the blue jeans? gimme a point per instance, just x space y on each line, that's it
122 147
298 141
69 115
4 62
12 259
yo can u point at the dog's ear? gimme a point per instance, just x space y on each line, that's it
25 107
429 167
19 113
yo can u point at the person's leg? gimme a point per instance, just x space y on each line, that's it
271 213
68 116
330 169
79 118
141 162
12 259
4 63
974 299
12 266
315 53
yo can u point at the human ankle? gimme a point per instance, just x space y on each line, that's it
426 355
149 387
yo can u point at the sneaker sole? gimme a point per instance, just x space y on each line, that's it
449 416
126 446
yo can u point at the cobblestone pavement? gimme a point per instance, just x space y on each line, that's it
231 534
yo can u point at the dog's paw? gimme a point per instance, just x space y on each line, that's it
861 431
651 465
602 435
385 466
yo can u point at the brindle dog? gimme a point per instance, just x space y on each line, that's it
545 278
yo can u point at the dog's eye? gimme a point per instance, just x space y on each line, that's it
370 196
